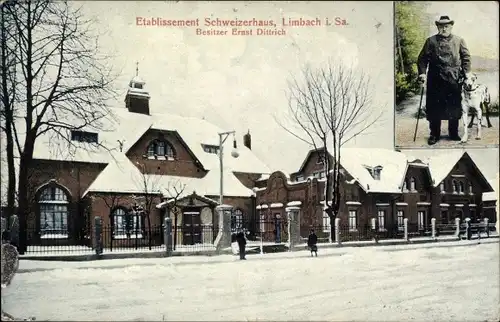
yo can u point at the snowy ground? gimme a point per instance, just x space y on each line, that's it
392 283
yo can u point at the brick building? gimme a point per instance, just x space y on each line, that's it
138 163
382 184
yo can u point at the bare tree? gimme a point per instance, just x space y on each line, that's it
150 192
328 106
7 115
62 81
173 192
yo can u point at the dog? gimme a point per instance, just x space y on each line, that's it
475 96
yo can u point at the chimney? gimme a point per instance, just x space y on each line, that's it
247 140
137 98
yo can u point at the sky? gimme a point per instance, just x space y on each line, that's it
239 82
475 21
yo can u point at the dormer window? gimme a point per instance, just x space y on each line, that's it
83 136
376 172
299 178
318 174
137 85
412 184
210 148
161 150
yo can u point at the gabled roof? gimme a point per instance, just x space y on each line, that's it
441 165
127 128
133 181
492 195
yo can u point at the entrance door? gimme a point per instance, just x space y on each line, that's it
191 228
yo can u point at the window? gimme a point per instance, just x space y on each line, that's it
53 205
321 158
442 187
210 148
461 187
159 149
376 173
353 220
348 194
318 174
236 220
412 184
421 220
470 189
405 187
262 223
459 213
400 214
299 178
126 224
82 136
444 216
381 220
455 186
326 223
473 214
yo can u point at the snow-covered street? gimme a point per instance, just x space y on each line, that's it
394 283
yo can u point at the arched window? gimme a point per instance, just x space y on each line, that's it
53 205
470 188
126 224
412 184
461 187
455 186
405 187
160 149
236 220
442 187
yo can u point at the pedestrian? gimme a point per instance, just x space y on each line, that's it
312 241
241 240
448 61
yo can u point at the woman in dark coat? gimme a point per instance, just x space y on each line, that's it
312 241
448 59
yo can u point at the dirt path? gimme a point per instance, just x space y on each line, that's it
405 122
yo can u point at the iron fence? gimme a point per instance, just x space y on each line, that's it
193 237
48 242
323 233
356 233
150 238
272 231
394 231
419 230
446 229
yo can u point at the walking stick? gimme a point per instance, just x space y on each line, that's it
419 111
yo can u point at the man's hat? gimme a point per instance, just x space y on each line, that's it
444 20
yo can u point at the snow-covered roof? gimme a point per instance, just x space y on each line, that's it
393 163
493 195
133 181
127 128
440 165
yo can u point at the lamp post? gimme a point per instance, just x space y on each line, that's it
222 138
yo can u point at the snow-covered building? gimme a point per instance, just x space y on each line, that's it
136 158
383 184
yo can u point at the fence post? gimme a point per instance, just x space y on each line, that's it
98 235
405 227
457 231
293 226
14 230
468 230
223 239
486 227
374 229
167 235
433 228
337 231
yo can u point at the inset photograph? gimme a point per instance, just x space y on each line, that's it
446 74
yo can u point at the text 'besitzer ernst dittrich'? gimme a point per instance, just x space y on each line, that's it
208 23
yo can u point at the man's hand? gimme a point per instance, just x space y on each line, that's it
422 78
